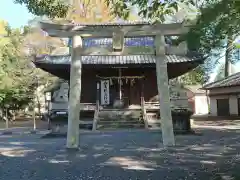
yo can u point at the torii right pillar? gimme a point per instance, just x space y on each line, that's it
163 92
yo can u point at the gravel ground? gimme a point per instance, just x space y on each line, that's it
122 155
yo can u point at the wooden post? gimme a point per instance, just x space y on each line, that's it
120 83
95 118
74 94
144 111
163 91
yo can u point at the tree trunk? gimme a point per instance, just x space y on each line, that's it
228 56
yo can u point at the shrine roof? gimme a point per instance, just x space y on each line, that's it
59 65
233 80
107 60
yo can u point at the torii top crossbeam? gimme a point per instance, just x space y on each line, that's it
130 29
119 31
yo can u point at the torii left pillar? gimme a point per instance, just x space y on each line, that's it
163 91
74 94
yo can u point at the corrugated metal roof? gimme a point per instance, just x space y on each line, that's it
233 80
132 59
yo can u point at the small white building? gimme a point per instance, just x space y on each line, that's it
197 99
224 96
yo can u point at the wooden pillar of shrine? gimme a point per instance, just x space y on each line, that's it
74 94
163 92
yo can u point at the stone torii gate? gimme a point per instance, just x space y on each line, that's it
117 32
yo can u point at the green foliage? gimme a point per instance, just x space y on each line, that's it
89 11
153 10
16 83
51 8
195 77
122 8
14 98
216 20
217 27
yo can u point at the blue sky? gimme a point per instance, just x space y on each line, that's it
15 14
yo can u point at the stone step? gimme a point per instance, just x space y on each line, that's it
120 110
114 119
120 126
120 122
151 113
153 120
154 125
119 117
119 113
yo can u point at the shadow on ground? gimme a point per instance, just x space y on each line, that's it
122 156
